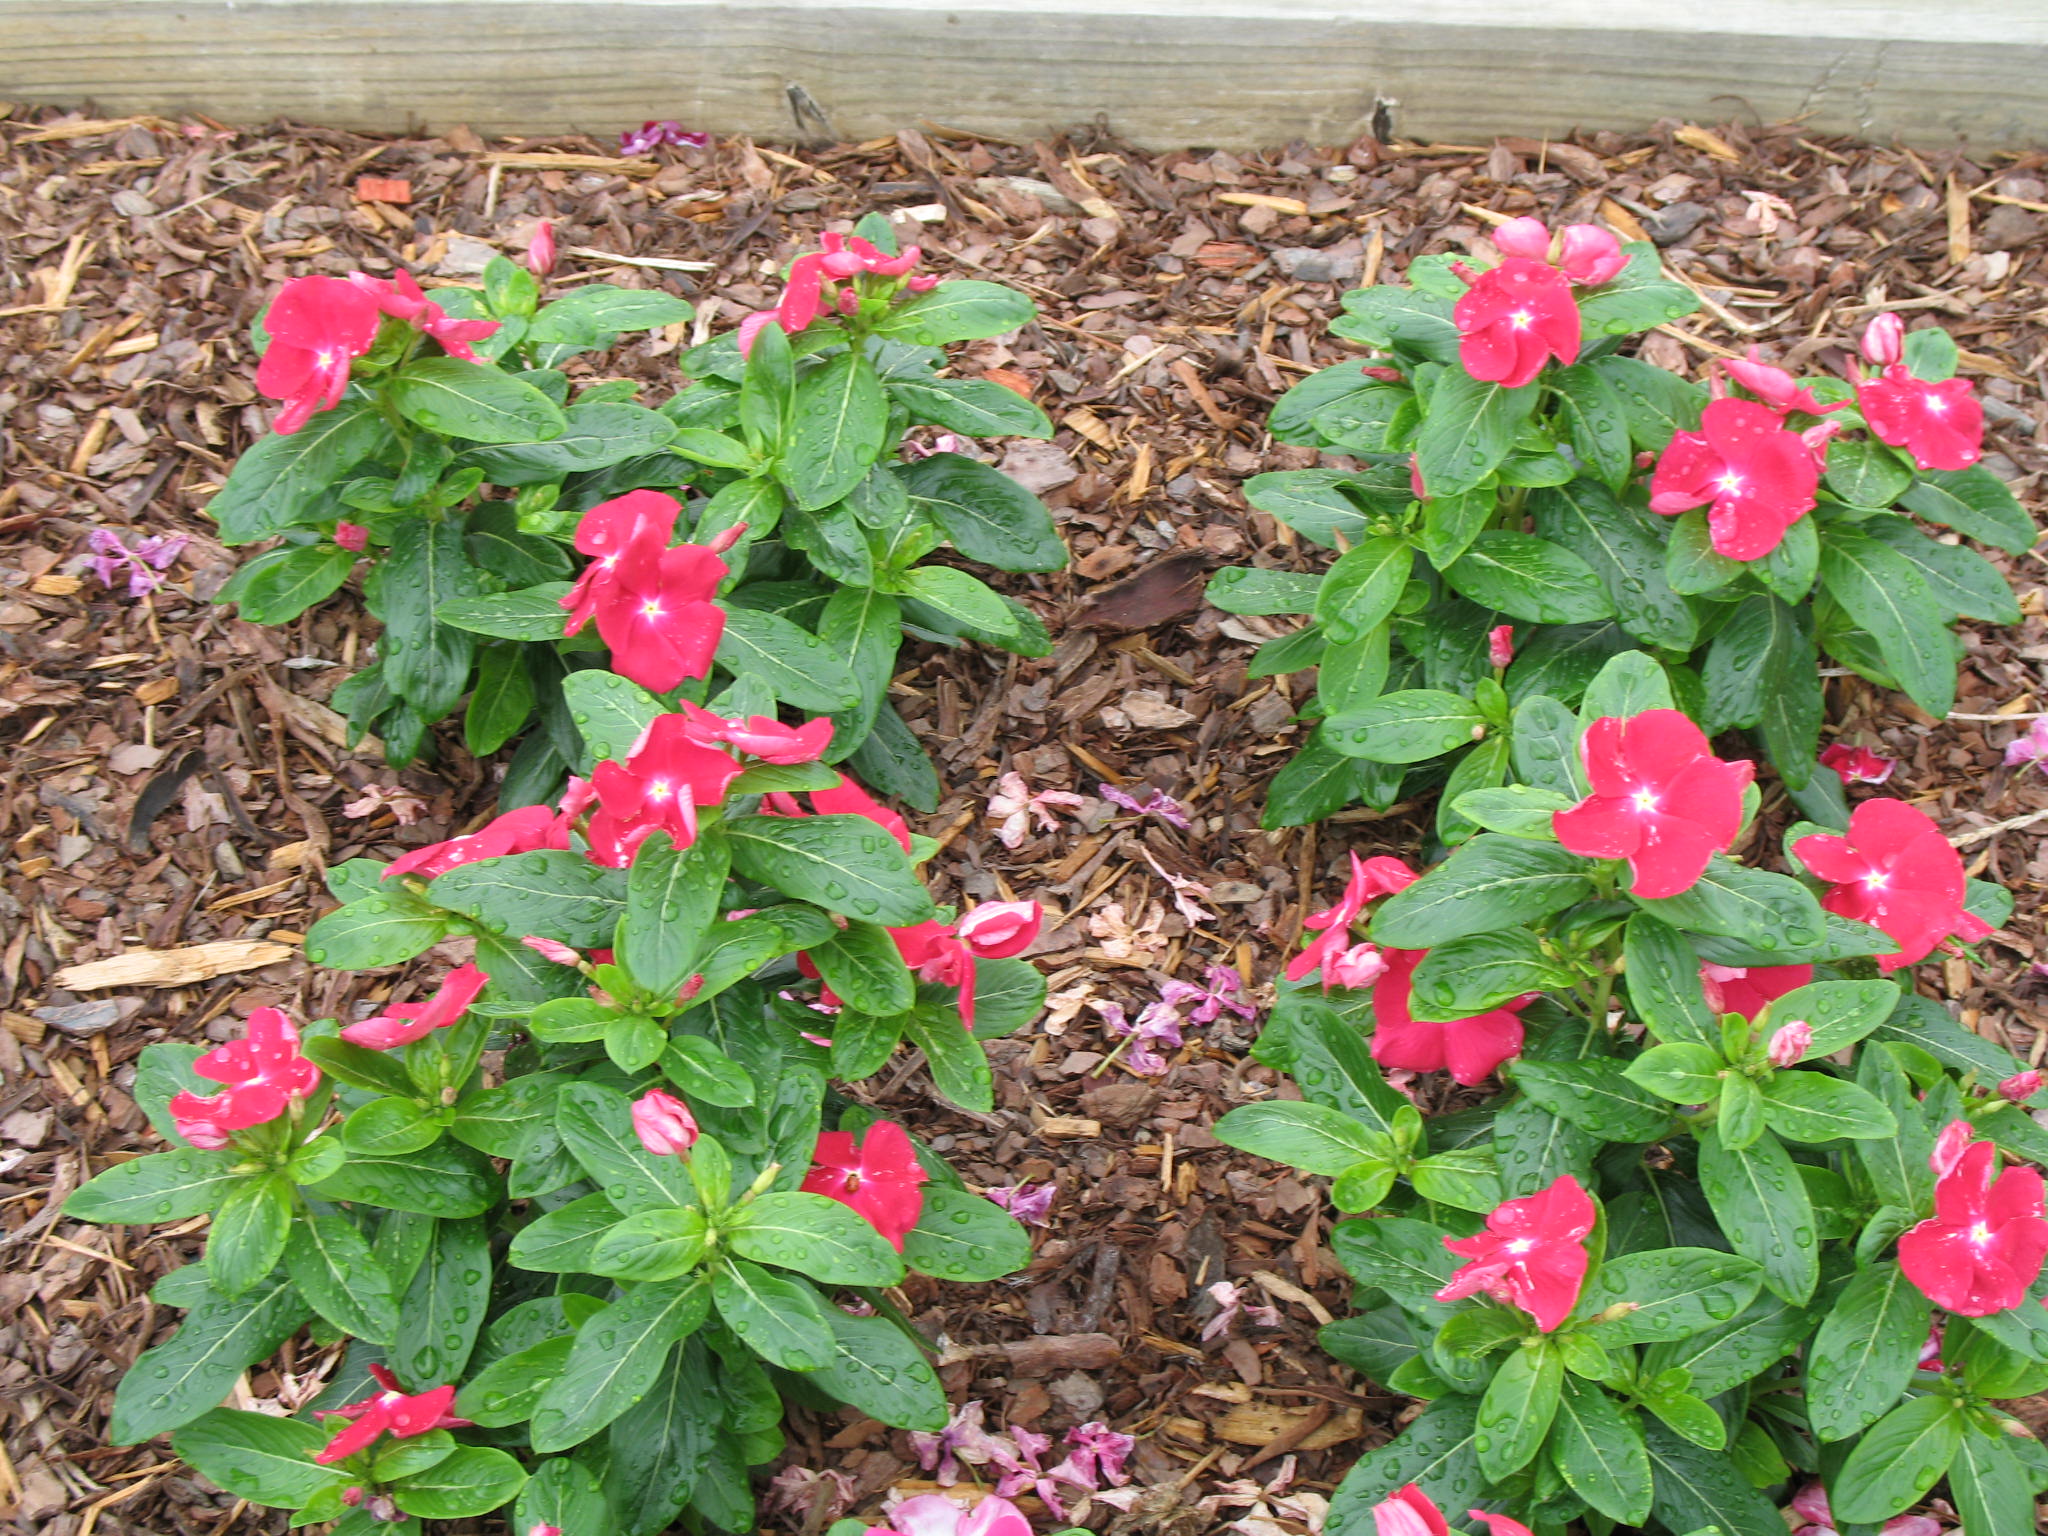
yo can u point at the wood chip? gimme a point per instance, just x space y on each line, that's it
1289 205
1695 137
1263 1423
1070 1126
172 967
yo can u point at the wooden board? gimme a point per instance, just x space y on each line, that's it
1234 73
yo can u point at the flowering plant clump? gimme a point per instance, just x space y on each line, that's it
520 520
590 1208
1679 1258
1523 501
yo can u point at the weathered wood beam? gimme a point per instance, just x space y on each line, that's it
1161 72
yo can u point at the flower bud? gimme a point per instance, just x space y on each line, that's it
1384 374
1500 645
924 282
1590 255
352 536
1525 237
2021 1086
1884 340
540 250
545 1530
1359 966
1949 1147
552 949
1618 1311
1789 1043
996 930
664 1124
351 1497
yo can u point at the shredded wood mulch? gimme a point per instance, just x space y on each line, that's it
172 781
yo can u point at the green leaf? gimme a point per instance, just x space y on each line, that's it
551 891
1434 1452
1691 563
1624 546
596 434
960 1069
1866 1351
660 1450
965 1237
986 515
846 864
877 1368
332 1266
863 966
1406 727
1639 298
1993 1490
1742 1348
705 1072
1405 1258
840 417
1544 743
257 1456
1697 1488
1313 502
286 479
1656 401
1762 1205
247 1236
791 662
1898 1460
1769 911
1600 1454
1865 473
1526 577
1674 1292
1533 1147
562 1240
443 1308
1293 418
617 1356
1761 671
1813 1107
473 1480
1663 976
1595 1094
1479 972
590 315
596 1124
165 1186
823 1239
1311 1137
661 1244
1685 1072
388 1126
277 587
959 309
1516 809
609 711
445 1179
672 897
195 1368
562 1493
971 407
1359 591
1962 581
1517 1411
473 401
1973 501
385 929
780 1319
500 702
1882 591
1468 429
532 613
425 662
1491 882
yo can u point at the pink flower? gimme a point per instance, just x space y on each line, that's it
545 1530
1370 879
1532 1254
400 297
1985 1243
526 830
540 250
1789 1043
1157 1023
2021 1086
1949 1147
759 736
552 949
1939 423
1018 806
1810 1504
407 1022
846 798
664 1124
1222 991
1500 646
652 602
353 537
1030 1204
1230 1301
651 135
111 556
1884 343
1156 803
1747 989
1098 1457
1755 476
2031 746
1515 318
1660 799
1408 1512
666 776
1590 255
933 1514
1857 765
1524 237
878 1177
997 930
1895 871
389 1411
264 1075
1774 386
1359 966
318 326
1469 1049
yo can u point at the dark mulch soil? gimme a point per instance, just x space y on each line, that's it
171 776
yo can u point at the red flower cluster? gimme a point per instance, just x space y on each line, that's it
1895 871
808 294
318 326
1661 800
652 602
392 1411
406 1022
1939 423
264 1073
1517 316
1985 1243
1532 1254
1370 879
1755 475
878 1176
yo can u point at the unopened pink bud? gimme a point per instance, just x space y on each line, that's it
664 1124
1525 237
352 536
1590 255
725 538
1359 966
552 949
545 1530
849 301
1949 1147
1884 340
1500 645
689 989
924 282
2021 1086
1788 1045
1384 375
351 1497
997 930
540 250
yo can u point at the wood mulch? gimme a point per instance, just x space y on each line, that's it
171 776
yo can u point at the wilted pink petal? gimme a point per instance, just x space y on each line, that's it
2021 1086
1029 1203
1789 1043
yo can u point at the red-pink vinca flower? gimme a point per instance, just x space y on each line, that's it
654 133
1857 765
540 250
1660 799
1370 879
406 1022
1939 423
1985 1243
1586 253
388 1411
1774 386
2021 1086
1810 1504
1747 989
353 537
759 735
664 1123
1532 1254
1410 1512
401 298
143 563
1515 318
526 830
933 1514
263 1074
1469 1049
666 776
2030 746
318 326
1755 476
808 294
997 930
652 601
1895 871
878 1176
